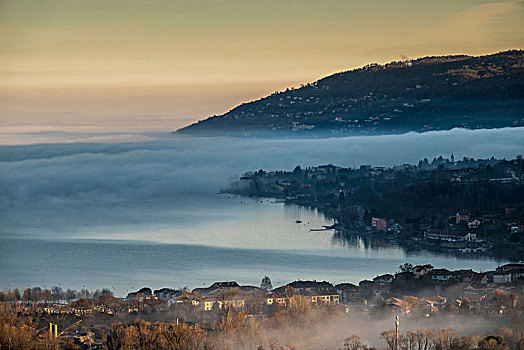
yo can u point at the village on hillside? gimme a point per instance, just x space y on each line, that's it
426 94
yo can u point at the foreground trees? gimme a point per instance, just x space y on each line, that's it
296 325
423 339
140 334
18 332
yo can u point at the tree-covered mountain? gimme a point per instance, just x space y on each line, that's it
430 93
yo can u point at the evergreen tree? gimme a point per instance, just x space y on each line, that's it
266 284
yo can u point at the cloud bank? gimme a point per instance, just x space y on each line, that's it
168 168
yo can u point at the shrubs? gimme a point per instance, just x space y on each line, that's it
14 337
17 333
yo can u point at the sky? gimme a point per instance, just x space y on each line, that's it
168 63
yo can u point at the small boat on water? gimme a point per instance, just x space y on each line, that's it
298 222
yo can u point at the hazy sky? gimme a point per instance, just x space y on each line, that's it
189 59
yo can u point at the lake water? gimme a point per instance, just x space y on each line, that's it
219 238
134 214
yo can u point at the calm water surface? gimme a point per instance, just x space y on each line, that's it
220 238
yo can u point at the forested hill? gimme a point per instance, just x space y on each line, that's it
430 93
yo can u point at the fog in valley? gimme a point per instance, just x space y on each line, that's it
176 166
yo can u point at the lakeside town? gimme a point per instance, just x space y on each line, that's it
419 294
463 206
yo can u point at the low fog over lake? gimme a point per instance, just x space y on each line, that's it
142 209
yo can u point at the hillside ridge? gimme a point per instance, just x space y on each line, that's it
428 93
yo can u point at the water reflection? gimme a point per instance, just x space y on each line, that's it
362 241
379 243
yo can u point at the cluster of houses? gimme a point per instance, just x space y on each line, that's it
463 232
231 294
477 287
309 104
478 297
509 273
474 285
301 183
417 306
60 309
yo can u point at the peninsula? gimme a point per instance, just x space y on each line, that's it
463 206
